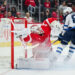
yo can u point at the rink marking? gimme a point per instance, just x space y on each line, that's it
17 43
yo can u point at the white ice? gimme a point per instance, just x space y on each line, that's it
60 68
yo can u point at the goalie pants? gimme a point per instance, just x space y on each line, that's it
68 36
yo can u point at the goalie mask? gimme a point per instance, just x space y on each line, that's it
36 29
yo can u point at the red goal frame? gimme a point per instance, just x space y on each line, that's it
12 39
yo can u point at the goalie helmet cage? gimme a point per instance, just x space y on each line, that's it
15 20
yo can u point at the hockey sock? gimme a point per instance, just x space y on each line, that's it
70 53
71 49
56 54
60 49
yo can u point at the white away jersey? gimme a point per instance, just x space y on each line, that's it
70 20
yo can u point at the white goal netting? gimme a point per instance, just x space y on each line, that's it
5 49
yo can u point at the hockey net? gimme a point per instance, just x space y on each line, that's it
9 51
14 50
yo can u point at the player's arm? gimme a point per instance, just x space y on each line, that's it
66 24
65 28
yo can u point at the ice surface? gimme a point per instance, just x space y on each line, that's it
59 68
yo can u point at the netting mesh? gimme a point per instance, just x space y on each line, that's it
5 51
5 42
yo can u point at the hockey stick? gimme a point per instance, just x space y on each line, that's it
54 42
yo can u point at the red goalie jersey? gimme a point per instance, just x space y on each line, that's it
46 28
42 38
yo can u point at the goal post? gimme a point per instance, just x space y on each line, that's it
7 39
15 21
12 47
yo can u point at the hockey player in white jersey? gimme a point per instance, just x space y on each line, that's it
68 34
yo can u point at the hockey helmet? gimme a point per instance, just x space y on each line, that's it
67 11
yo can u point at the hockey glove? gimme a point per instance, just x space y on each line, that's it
60 37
